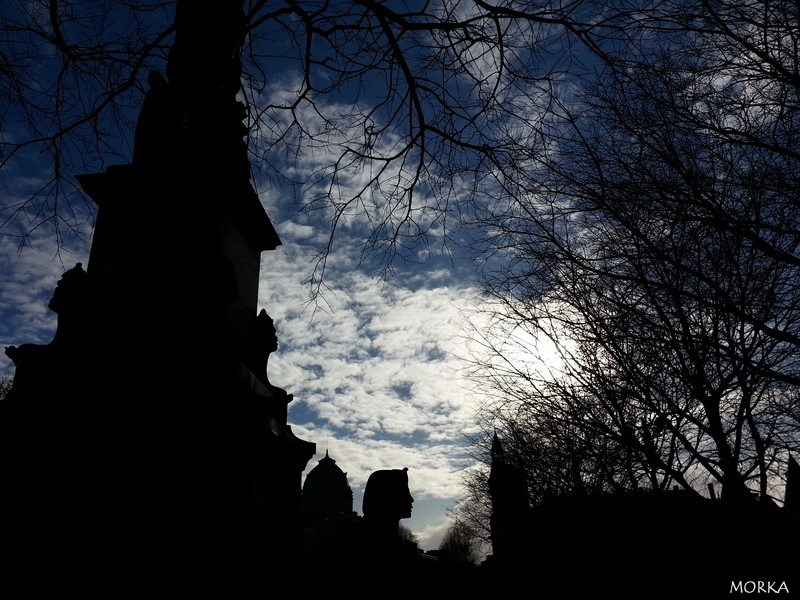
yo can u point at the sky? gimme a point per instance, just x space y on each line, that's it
378 366
375 367
374 364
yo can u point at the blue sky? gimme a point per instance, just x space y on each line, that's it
373 362
376 364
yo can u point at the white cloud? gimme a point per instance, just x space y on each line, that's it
372 369
375 373
430 537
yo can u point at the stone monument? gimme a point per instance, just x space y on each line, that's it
148 427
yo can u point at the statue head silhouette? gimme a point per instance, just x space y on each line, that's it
71 291
263 342
265 332
387 497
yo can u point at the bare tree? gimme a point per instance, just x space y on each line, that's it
71 80
652 236
404 533
474 512
459 546
5 385
415 113
402 100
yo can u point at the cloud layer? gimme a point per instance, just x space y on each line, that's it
372 364
374 369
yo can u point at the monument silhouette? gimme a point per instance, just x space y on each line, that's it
148 428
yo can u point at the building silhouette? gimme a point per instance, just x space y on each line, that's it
327 505
510 522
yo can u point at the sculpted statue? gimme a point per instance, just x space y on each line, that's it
263 342
157 130
387 498
40 368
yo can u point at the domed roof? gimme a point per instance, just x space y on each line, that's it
326 492
326 477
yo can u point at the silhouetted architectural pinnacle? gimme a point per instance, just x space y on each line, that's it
498 454
508 488
326 493
791 497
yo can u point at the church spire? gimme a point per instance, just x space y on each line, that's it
791 497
